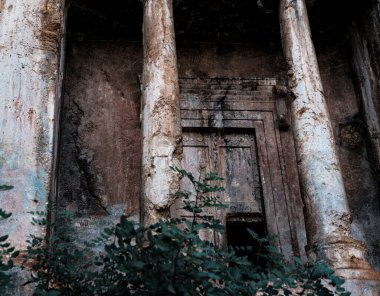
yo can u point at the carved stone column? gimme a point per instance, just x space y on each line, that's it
327 212
160 111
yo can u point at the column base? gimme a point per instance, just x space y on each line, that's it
362 287
341 253
346 257
359 275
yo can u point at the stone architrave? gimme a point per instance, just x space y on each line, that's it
327 212
161 126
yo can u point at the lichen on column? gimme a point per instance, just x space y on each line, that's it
161 144
327 212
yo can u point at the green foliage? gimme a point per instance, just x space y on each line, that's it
7 253
5 187
169 258
60 266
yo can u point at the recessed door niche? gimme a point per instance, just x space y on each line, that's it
232 127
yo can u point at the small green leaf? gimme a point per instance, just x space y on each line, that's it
171 289
298 261
53 293
138 264
5 187
3 238
15 254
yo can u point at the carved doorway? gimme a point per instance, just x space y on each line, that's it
232 127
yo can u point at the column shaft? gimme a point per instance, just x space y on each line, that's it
161 111
327 211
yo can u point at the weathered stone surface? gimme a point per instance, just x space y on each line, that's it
362 288
316 153
160 111
328 216
100 141
352 145
92 184
30 33
100 145
365 51
244 61
229 127
364 40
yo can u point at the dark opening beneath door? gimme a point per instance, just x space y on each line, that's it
242 241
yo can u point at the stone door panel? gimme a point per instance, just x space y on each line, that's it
240 171
230 127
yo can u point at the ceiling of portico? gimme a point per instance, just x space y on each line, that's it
208 20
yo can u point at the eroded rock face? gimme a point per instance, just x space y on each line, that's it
100 145
98 157
364 53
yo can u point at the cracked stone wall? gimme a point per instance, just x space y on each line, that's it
100 142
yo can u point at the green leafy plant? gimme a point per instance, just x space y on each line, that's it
170 258
7 253
60 266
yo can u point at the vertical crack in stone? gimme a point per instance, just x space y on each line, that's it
79 185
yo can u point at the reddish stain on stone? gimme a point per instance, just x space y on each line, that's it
31 115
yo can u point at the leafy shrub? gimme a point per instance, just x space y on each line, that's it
7 253
170 258
60 266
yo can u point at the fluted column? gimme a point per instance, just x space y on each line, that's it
327 212
160 111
